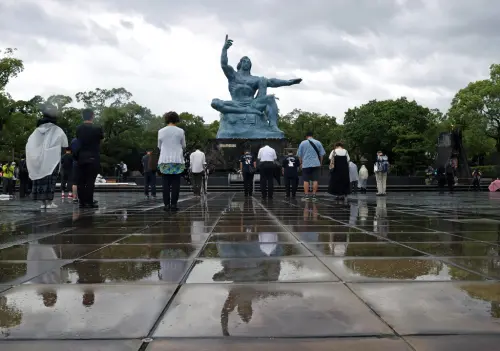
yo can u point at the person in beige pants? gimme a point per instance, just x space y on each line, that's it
381 169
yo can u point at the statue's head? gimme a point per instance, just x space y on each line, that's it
245 64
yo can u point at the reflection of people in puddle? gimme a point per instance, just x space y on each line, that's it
89 273
353 214
10 316
380 222
237 270
363 210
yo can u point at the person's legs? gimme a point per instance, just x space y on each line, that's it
11 186
176 189
378 177
270 182
22 186
288 184
94 171
64 183
263 181
250 184
166 178
197 184
146 183
152 182
384 183
295 185
246 183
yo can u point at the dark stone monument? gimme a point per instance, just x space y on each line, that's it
450 147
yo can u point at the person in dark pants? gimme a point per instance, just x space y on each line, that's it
291 174
24 179
171 163
197 164
66 169
267 157
149 174
248 165
450 176
89 139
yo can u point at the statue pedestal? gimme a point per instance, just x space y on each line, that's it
247 126
225 154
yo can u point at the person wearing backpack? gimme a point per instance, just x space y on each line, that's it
310 153
381 168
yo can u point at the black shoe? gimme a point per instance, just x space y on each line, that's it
174 208
166 208
246 195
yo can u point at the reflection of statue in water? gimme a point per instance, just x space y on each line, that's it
247 115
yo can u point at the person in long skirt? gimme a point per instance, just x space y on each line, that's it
339 172
43 154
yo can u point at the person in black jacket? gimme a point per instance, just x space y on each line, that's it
248 165
24 179
66 170
291 165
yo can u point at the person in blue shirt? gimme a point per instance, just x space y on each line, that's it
291 174
310 153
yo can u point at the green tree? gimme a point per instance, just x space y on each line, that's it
477 107
194 127
99 99
383 125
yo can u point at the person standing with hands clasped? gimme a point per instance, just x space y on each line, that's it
266 157
197 167
310 153
291 174
381 168
248 165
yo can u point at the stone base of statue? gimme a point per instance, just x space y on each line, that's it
224 154
247 126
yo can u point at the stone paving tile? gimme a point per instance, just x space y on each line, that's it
152 252
264 310
73 345
278 269
396 269
82 312
118 272
340 344
435 308
454 342
272 269
253 250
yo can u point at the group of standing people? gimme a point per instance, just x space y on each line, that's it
344 175
80 164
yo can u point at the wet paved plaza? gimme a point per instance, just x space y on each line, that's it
403 272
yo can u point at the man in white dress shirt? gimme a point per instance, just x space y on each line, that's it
266 157
197 167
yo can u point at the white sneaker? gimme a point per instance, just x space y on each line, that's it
43 207
62 195
51 206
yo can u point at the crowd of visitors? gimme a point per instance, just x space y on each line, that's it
79 166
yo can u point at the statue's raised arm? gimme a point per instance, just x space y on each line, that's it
276 83
226 68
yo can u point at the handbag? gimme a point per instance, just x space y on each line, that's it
331 166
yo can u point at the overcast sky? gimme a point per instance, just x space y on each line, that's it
166 52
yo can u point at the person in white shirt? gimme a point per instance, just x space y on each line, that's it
197 168
267 156
171 163
124 170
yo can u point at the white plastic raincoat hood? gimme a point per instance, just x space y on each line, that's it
43 150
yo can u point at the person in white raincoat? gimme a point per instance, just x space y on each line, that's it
43 154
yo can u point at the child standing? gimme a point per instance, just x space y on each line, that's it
291 174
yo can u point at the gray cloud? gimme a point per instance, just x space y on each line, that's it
444 43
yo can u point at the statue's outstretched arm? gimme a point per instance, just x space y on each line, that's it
226 68
276 83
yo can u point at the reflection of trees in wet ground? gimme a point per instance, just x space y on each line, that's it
486 292
487 266
10 316
12 271
18 252
133 271
407 269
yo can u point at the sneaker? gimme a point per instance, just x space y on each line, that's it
43 207
70 195
75 200
51 206
146 197
62 195
305 198
314 199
